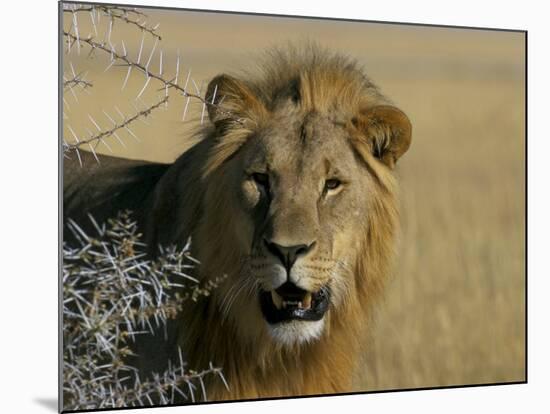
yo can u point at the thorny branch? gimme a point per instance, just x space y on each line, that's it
102 134
120 58
126 61
82 8
120 13
111 294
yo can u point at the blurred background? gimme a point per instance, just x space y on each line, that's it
454 310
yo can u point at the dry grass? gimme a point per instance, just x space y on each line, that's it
454 311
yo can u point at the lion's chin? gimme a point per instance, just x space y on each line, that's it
296 332
294 316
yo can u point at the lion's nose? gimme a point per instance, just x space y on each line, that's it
288 254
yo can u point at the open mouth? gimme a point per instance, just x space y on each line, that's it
289 302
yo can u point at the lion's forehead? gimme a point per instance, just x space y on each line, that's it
306 145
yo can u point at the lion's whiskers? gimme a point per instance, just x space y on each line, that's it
246 284
227 296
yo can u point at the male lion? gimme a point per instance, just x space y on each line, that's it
291 193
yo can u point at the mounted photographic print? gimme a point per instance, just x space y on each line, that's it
260 206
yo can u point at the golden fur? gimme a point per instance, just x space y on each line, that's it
196 198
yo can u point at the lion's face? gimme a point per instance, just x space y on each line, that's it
299 184
302 195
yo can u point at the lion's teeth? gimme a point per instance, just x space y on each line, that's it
293 303
277 300
306 301
280 303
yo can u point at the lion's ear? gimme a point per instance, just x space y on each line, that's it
388 131
231 100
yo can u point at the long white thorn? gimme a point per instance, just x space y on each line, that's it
214 94
119 140
95 123
151 55
78 155
212 102
144 86
177 68
74 135
126 78
185 109
72 70
92 11
109 117
75 24
93 152
141 47
199 90
104 142
196 87
187 80
113 51
202 113
131 133
110 30
120 113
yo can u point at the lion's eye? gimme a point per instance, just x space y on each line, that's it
332 184
261 179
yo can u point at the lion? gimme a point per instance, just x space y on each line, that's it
291 192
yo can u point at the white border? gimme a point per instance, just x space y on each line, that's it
28 225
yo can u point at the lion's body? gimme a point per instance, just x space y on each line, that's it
318 96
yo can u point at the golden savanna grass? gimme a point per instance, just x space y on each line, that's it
454 310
